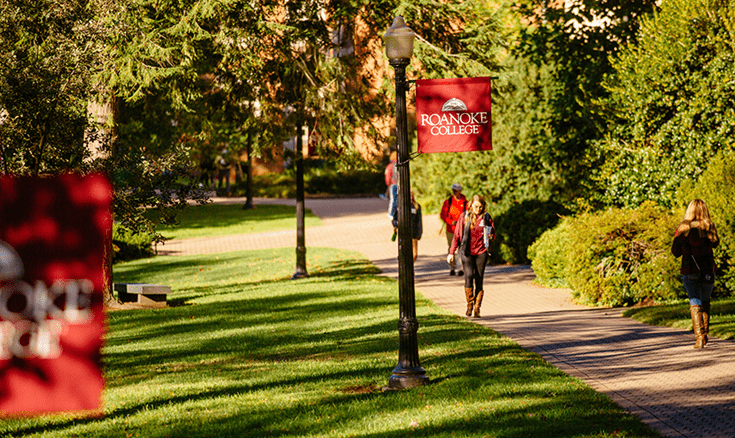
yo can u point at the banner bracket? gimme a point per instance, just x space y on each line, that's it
411 156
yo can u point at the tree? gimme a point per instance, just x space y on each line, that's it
544 123
163 60
50 51
570 45
670 103
301 79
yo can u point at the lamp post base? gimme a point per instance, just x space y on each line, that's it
407 378
300 257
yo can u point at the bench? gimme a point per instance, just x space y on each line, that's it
151 295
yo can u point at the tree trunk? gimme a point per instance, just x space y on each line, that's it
300 232
108 296
249 175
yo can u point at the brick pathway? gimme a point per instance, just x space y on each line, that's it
652 371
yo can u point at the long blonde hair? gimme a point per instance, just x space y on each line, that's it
481 200
697 217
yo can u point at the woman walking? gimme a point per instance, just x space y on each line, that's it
694 239
477 230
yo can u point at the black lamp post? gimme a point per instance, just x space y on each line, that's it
408 373
300 236
249 175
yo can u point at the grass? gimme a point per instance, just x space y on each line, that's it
212 220
247 352
722 316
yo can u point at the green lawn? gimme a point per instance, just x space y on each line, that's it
227 219
247 352
722 316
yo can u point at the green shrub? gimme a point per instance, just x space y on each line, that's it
716 187
346 182
129 246
623 256
612 258
549 255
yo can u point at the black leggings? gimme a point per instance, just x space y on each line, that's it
474 270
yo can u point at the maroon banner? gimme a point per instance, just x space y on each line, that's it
454 115
53 233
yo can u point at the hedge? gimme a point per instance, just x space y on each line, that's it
612 258
622 256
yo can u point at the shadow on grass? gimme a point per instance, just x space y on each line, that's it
335 271
462 358
137 271
523 398
302 334
505 374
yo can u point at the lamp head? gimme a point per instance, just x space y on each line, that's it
399 40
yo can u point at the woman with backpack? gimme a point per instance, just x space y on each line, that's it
473 233
694 239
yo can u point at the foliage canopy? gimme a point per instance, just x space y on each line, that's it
671 103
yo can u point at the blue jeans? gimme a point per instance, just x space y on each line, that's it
393 204
697 291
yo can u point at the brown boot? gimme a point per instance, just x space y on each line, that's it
696 312
705 321
470 300
478 303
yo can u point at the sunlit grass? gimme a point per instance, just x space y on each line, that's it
722 316
227 219
246 352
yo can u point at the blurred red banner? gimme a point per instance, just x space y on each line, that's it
454 115
53 233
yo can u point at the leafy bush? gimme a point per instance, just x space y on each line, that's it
623 256
347 182
717 187
669 109
612 258
129 246
549 254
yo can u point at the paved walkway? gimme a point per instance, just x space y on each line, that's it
652 371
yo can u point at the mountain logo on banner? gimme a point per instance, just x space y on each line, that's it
11 266
454 104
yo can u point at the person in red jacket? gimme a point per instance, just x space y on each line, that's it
452 209
391 181
694 239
